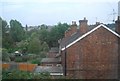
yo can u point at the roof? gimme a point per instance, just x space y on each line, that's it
54 49
67 42
51 69
50 60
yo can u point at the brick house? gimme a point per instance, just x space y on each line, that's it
50 62
91 52
53 52
53 58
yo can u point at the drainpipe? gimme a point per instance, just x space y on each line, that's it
65 62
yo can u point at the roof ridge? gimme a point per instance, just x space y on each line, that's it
84 35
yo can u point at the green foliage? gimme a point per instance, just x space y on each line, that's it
5 55
16 31
44 75
19 59
36 61
45 47
4 26
23 46
7 41
43 34
36 41
12 57
34 46
56 33
43 26
16 74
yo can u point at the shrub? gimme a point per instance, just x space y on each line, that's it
36 61
17 74
19 59
5 55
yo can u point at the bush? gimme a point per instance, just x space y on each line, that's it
12 58
5 55
19 59
17 74
36 61
25 58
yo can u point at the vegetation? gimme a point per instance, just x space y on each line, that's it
36 41
17 74
5 56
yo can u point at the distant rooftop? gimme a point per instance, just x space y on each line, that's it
54 49
51 69
50 60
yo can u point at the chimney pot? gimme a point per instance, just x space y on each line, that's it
73 22
84 18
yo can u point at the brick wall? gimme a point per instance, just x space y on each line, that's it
83 26
118 31
93 57
71 30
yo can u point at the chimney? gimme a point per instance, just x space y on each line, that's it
73 27
83 26
117 28
117 23
71 30
119 8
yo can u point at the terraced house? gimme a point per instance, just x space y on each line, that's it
91 52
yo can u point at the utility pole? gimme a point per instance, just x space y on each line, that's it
114 15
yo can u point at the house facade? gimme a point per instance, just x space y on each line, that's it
91 53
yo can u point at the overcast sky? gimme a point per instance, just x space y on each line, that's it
50 12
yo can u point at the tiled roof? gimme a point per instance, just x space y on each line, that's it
51 69
67 42
54 49
50 60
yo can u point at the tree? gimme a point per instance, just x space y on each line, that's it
45 47
16 30
43 26
7 41
4 26
23 46
43 35
56 33
34 45
5 55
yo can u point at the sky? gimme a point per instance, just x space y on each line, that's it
50 12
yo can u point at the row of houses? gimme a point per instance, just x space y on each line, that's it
85 52
88 52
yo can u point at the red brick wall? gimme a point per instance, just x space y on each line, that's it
71 31
93 57
83 26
